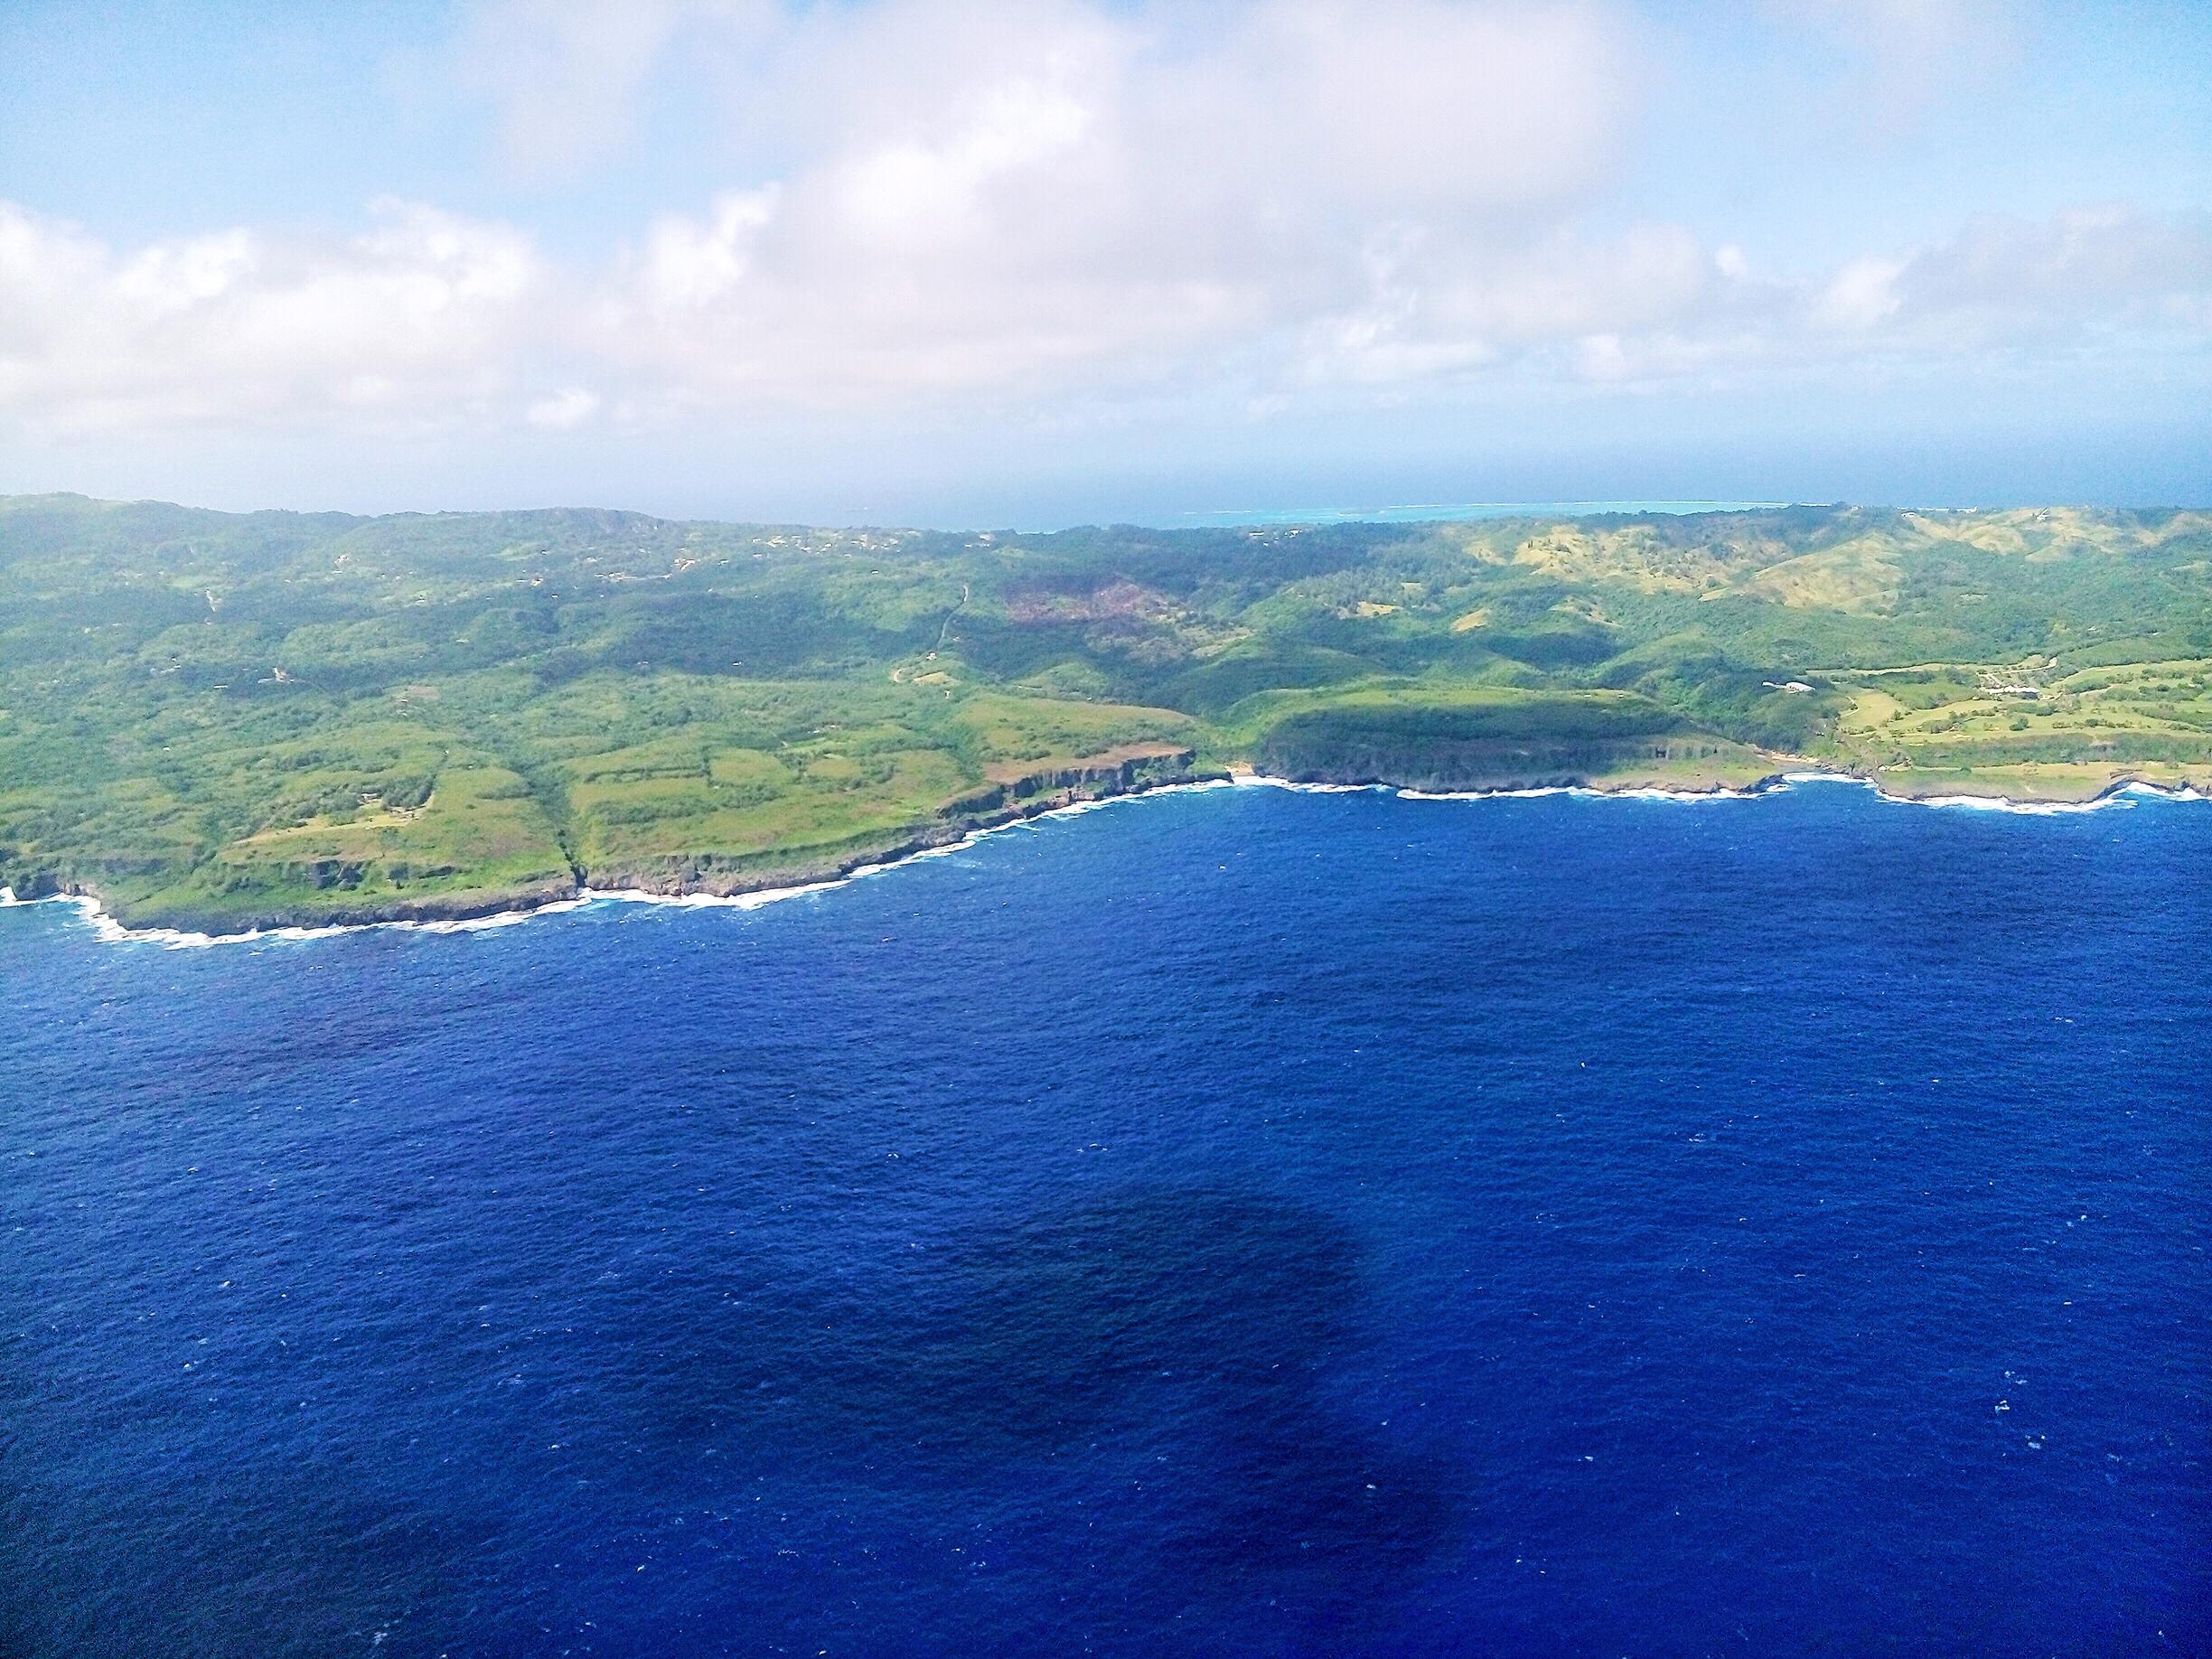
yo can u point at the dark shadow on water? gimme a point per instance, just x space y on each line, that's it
258 1560
1158 1361
1140 1400
1050 1329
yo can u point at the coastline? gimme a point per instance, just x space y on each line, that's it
733 891
504 911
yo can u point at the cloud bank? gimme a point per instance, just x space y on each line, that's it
978 204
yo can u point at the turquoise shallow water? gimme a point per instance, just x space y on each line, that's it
1421 513
1236 1221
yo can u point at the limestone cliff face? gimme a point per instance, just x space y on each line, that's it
324 891
449 906
1014 792
1117 772
1691 761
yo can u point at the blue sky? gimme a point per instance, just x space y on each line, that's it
982 261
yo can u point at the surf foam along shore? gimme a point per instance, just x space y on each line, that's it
104 924
108 928
2123 793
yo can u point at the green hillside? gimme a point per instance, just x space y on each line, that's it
222 720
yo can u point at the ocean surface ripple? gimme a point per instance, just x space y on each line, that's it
1236 1221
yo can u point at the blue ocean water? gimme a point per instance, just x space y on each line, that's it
1236 1223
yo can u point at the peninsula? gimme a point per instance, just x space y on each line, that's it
223 721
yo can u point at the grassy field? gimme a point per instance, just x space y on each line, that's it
2030 728
228 721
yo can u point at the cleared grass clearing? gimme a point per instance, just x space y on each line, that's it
2032 729
1861 577
476 814
1026 728
2035 780
665 833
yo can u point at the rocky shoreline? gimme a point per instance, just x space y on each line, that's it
996 805
1007 800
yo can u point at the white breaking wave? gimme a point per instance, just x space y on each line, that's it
107 928
2120 795
186 939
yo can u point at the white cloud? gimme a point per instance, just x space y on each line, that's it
693 264
2121 267
1860 296
989 194
570 406
1001 204
1441 308
422 309
2117 282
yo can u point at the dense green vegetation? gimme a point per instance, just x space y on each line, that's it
220 720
